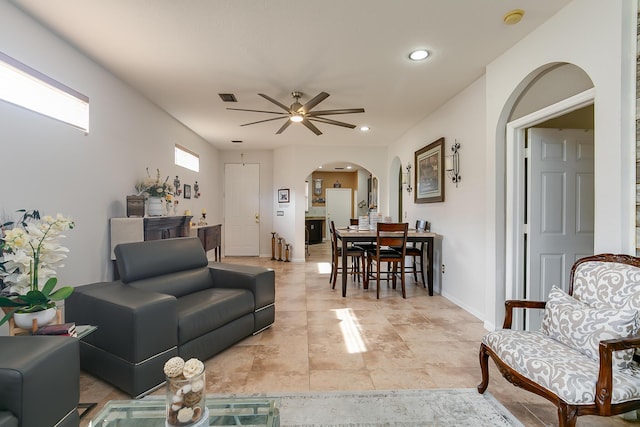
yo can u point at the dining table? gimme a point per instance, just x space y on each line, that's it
433 240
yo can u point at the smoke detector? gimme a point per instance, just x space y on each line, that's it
513 17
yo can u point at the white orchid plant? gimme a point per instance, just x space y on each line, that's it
29 255
154 187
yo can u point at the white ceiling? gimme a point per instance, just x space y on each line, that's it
182 54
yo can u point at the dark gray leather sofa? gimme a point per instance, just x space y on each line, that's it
170 300
39 381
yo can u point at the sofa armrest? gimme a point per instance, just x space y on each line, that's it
133 324
604 385
260 281
39 379
509 305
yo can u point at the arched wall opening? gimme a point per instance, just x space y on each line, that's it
542 95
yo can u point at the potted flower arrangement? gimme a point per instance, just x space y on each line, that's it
155 189
29 255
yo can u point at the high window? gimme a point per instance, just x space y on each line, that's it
187 159
25 87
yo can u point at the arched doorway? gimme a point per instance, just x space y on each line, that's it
337 191
535 198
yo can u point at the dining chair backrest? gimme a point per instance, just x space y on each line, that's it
392 234
332 234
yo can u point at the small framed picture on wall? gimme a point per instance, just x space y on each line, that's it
283 195
187 191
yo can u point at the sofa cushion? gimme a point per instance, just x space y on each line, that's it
202 312
177 284
566 372
582 327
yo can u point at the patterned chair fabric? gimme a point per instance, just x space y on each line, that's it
562 360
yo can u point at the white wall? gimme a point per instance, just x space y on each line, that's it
292 165
599 37
53 167
461 218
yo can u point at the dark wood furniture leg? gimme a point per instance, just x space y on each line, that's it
344 267
430 241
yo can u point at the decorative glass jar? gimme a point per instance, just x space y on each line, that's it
186 404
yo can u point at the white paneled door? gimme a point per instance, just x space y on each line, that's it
560 209
242 209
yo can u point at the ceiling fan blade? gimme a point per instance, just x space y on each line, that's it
256 111
331 122
314 101
268 98
340 111
311 127
262 121
284 126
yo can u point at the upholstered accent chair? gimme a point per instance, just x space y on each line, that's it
584 359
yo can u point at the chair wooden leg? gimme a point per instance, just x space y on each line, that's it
394 276
334 276
404 289
415 272
377 280
484 367
567 416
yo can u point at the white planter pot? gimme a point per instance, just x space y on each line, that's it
24 320
155 206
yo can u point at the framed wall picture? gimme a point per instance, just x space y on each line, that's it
187 191
283 195
429 173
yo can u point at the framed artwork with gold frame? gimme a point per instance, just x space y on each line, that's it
429 173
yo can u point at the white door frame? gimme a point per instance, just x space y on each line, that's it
515 178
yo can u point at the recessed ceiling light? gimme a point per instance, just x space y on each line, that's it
419 54
364 128
320 167
348 167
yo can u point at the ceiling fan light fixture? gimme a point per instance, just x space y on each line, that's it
419 55
296 118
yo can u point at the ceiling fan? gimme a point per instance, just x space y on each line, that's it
298 113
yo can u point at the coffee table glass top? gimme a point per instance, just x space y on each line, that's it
150 412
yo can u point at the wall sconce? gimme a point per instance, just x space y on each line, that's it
406 178
452 164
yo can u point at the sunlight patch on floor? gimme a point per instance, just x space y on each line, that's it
350 328
324 268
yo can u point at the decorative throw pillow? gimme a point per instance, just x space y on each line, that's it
582 327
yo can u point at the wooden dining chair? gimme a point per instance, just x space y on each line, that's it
356 254
415 251
391 245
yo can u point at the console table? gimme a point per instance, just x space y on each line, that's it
211 238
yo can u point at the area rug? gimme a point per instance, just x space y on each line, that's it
396 408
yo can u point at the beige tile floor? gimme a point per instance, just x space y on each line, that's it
321 342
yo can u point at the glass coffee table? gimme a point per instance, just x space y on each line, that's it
151 412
